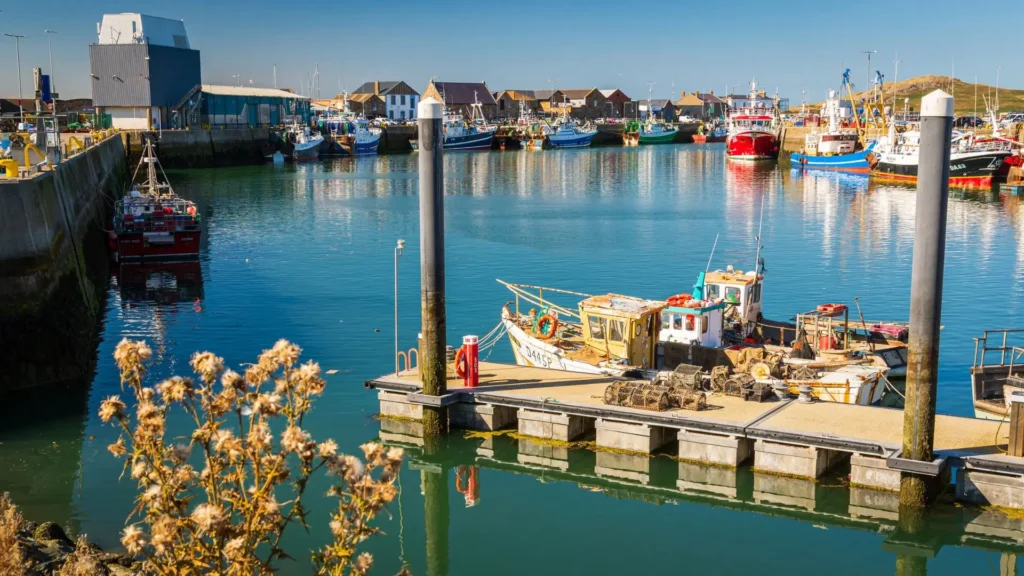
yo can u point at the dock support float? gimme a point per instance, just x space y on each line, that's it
926 294
432 288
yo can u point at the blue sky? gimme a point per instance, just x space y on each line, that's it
681 45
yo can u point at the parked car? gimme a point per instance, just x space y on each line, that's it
968 122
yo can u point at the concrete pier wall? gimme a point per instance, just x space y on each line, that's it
54 266
203 148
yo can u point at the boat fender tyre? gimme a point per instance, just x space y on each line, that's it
546 326
460 362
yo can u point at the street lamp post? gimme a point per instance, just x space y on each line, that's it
17 47
53 96
398 254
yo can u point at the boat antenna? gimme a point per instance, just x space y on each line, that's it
715 245
757 257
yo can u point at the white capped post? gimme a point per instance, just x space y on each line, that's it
926 294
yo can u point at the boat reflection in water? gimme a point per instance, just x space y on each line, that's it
160 282
729 502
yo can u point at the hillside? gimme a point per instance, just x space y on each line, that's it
916 88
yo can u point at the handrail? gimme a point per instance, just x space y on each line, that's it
519 290
981 345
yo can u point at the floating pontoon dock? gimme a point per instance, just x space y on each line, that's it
787 437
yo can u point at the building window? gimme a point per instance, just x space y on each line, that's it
403 99
501 104
391 114
392 99
403 114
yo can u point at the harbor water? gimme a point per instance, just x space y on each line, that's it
306 252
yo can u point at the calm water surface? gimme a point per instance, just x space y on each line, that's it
306 253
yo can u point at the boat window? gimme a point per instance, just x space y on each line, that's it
732 293
597 328
703 324
677 322
714 291
616 329
757 293
689 322
666 321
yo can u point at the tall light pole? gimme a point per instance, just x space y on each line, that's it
895 78
398 253
998 68
17 47
53 93
869 53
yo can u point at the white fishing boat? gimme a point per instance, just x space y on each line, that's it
476 133
625 336
305 143
352 132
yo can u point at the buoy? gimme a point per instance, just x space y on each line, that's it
546 326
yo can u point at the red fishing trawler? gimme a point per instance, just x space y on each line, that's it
753 127
151 222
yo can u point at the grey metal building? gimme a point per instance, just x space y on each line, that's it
136 80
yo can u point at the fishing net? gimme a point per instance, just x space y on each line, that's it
637 394
802 347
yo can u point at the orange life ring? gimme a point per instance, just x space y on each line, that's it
460 362
546 326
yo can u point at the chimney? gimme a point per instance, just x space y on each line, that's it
376 86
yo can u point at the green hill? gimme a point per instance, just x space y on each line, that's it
916 88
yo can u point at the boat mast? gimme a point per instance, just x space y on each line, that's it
151 169
760 224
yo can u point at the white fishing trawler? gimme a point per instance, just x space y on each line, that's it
719 324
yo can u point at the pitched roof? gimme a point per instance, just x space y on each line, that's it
576 93
363 97
455 93
248 91
689 100
662 103
526 95
370 87
607 93
709 98
543 94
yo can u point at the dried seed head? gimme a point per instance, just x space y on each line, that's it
118 448
133 539
208 518
111 408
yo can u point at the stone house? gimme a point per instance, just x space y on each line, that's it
713 105
509 101
400 99
618 99
369 105
663 109
459 97
690 105
586 103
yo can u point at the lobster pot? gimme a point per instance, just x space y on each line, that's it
688 376
758 392
633 394
737 384
719 375
687 399
803 373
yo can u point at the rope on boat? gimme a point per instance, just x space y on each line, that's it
890 386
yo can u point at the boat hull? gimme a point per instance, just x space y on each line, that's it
855 162
974 170
307 150
481 141
699 139
658 138
176 245
532 351
357 148
753 146
576 141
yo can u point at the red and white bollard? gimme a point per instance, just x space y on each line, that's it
471 345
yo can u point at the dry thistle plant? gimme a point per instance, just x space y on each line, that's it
12 558
224 518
